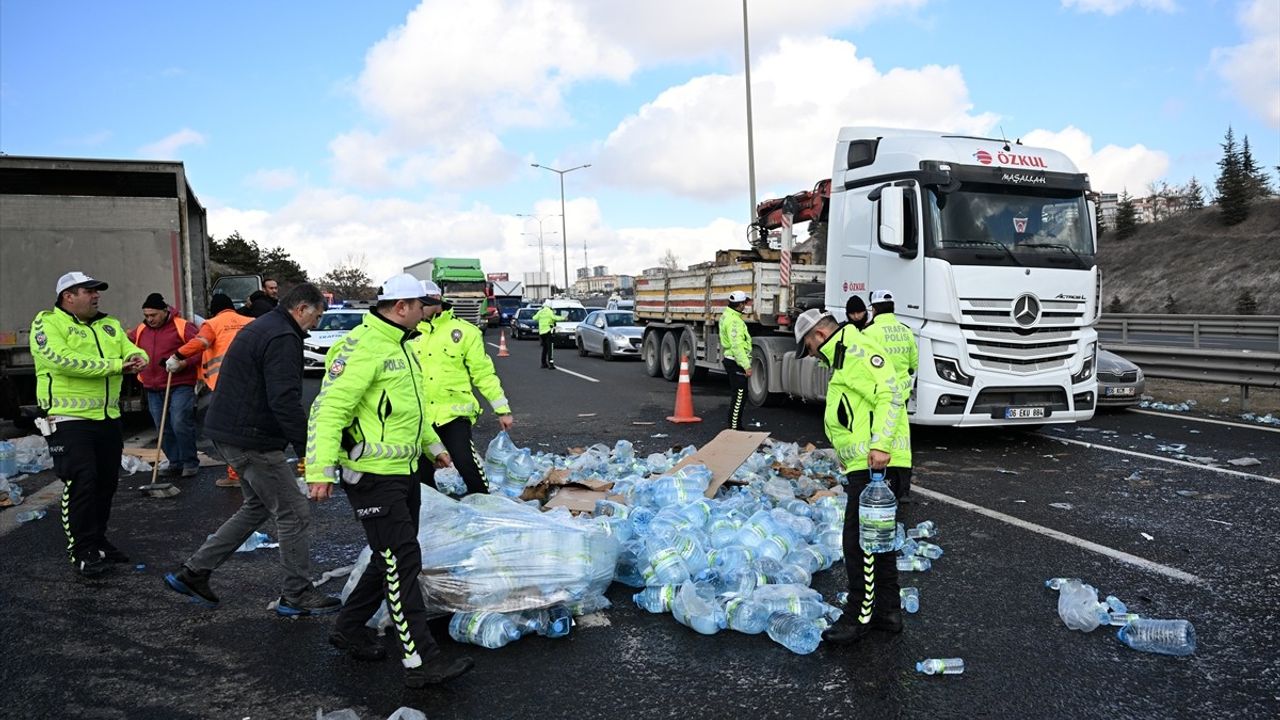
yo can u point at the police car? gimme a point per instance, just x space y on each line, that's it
332 326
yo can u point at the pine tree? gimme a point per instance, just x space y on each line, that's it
1170 305
1246 304
1126 217
1116 305
1255 178
1194 193
1232 185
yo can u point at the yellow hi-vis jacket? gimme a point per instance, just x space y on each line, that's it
370 415
453 359
79 364
735 341
547 319
900 343
866 407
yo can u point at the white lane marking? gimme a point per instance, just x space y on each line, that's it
580 375
1183 463
1205 420
1124 557
493 345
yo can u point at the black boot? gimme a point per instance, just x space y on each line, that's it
889 621
436 670
846 631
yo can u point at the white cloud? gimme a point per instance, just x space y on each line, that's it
1252 69
272 179
691 139
1113 7
167 148
1112 168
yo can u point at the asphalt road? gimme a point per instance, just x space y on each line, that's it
1199 545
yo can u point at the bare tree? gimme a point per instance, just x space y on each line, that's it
670 261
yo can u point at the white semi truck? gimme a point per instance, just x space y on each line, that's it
988 247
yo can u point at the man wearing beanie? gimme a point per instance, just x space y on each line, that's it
855 311
160 334
206 351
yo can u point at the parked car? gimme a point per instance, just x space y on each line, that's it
565 332
335 323
1120 382
611 333
523 325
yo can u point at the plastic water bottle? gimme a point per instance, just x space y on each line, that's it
1079 608
8 459
1118 619
926 529
487 629
910 599
1166 637
29 515
941 666
877 513
929 550
1058 582
915 563
797 634
656 599
746 616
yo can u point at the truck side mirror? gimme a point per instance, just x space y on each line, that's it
892 219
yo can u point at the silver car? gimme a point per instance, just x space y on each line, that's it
1120 382
610 333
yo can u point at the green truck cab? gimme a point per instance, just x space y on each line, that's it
463 283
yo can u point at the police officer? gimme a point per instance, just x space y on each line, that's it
367 430
80 354
454 360
547 319
735 345
865 414
900 344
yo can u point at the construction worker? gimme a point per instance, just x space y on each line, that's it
453 358
547 319
735 344
161 332
80 355
211 343
900 344
865 412
368 430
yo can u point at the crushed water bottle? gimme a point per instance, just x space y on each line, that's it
487 629
656 599
910 599
915 563
877 516
29 515
1079 608
799 635
1165 637
696 608
941 666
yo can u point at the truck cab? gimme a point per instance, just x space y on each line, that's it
463 283
989 250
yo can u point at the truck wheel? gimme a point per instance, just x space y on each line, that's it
689 349
670 356
758 384
649 353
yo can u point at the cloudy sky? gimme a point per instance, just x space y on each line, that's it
394 131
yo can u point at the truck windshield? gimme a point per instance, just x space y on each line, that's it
999 225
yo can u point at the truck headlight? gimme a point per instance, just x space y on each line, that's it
949 370
1086 368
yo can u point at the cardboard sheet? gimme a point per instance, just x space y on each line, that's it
725 454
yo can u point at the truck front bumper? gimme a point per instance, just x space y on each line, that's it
941 403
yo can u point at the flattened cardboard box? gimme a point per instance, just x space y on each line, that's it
724 454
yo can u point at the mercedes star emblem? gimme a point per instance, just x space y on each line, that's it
1026 310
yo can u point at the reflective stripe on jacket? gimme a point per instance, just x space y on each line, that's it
370 415
900 343
211 344
547 319
78 364
453 360
735 341
866 407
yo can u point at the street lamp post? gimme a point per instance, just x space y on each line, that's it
542 259
751 150
564 232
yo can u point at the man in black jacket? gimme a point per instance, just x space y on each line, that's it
255 414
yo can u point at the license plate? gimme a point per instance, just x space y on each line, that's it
1119 392
1015 413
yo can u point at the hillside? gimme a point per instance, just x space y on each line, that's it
1203 264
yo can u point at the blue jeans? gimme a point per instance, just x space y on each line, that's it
179 441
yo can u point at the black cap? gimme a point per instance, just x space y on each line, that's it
855 305
155 301
219 303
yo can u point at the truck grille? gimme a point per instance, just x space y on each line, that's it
1118 377
997 342
469 309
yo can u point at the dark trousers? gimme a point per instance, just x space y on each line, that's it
873 579
387 506
548 350
86 456
738 393
456 436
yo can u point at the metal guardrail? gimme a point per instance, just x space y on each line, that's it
1228 367
1264 327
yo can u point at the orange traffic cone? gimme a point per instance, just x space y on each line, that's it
502 345
684 396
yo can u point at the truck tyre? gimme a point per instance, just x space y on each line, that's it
689 349
649 353
758 384
670 356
